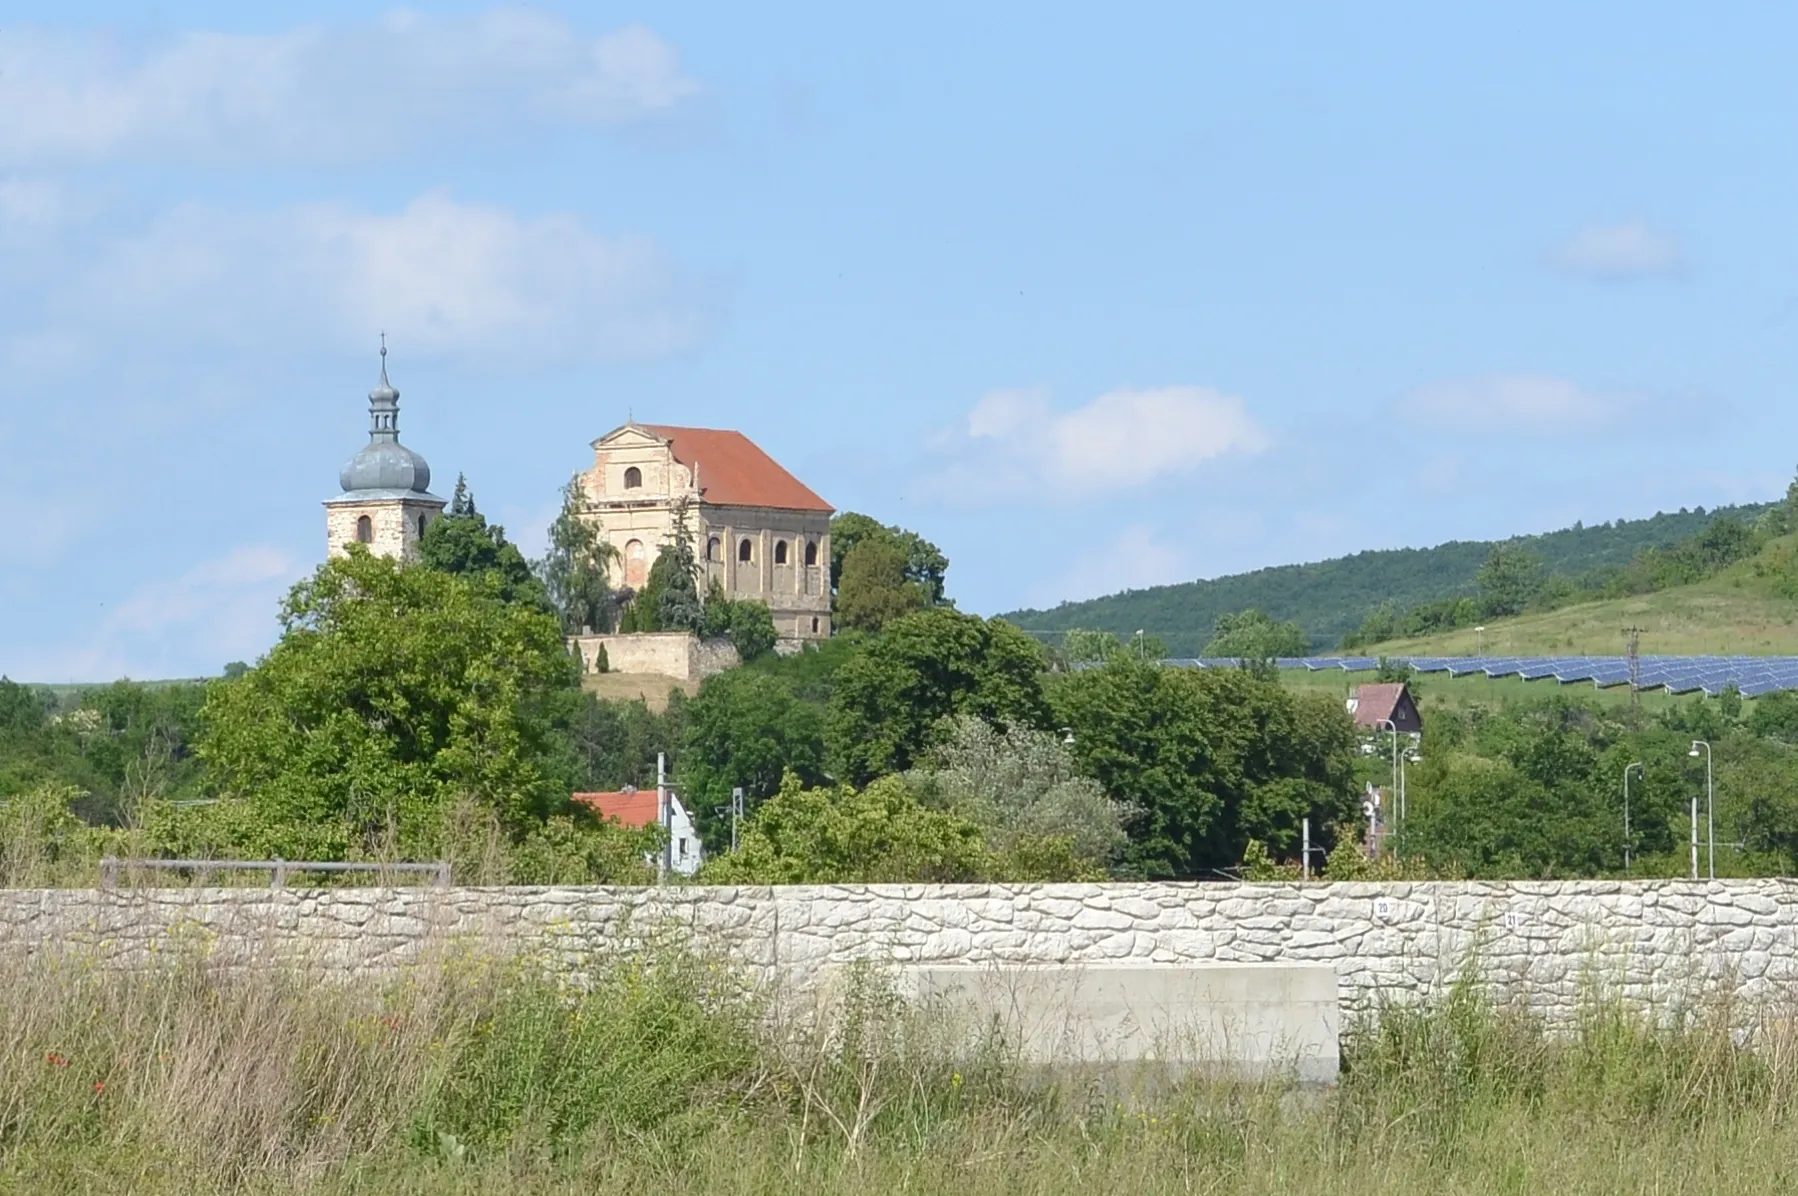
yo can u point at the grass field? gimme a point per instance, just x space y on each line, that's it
474 1075
1727 615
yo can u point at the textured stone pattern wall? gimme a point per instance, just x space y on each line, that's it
1548 944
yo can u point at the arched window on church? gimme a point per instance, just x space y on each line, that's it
365 530
714 551
746 550
421 527
633 478
780 552
811 555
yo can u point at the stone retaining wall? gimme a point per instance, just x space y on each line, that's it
1544 943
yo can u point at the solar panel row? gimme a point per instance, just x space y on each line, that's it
1751 675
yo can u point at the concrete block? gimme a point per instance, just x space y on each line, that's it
1238 1020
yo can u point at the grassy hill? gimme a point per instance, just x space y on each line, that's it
1331 598
1740 611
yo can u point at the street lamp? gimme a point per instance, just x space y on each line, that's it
1626 768
1710 802
1141 648
1068 736
1480 642
1398 777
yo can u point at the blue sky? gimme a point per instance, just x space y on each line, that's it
1094 297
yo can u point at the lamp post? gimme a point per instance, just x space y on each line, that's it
1710 803
1398 805
1626 768
1479 642
1141 647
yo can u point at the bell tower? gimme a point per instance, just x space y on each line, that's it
386 501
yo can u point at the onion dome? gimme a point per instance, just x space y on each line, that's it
385 465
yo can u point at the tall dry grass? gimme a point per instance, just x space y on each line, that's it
663 1072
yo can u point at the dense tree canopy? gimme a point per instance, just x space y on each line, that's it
745 729
890 697
464 543
1209 759
1020 785
1252 635
393 693
575 570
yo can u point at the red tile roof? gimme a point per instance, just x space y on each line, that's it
735 472
1377 702
632 807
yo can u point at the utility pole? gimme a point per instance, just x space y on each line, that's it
1635 666
664 816
1305 850
736 814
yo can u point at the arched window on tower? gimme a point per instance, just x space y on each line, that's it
365 530
746 550
633 478
714 551
780 552
421 527
811 553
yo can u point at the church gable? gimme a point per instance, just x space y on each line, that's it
634 464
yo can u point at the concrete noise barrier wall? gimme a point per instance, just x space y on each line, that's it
1547 945
1244 1020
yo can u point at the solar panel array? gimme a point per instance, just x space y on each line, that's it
1750 675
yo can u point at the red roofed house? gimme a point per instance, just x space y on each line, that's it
757 529
1373 706
637 808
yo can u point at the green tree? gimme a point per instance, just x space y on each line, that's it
1252 635
745 729
1508 580
464 543
393 694
678 607
575 570
879 835
615 744
748 624
924 667
874 588
1018 785
1084 645
924 563
1209 758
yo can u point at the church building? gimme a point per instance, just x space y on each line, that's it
757 530
386 502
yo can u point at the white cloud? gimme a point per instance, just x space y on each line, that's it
441 277
1134 560
1122 440
322 93
1617 252
220 610
1536 404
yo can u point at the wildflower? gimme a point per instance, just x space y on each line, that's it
56 1060
99 1085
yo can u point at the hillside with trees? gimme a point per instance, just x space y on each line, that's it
1330 600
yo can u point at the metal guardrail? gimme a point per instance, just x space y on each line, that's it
112 866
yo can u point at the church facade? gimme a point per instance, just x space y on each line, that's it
757 530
